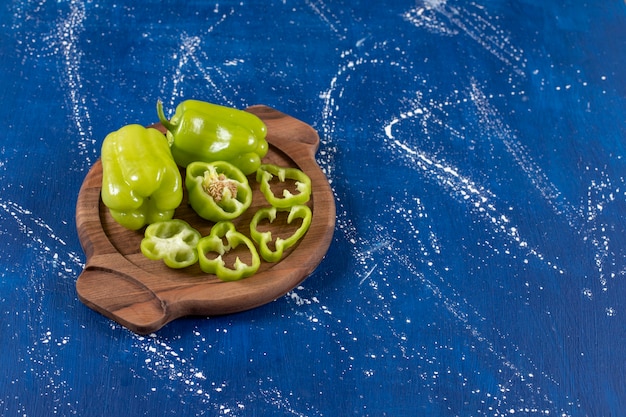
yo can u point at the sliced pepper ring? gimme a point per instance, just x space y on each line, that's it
217 190
263 239
222 239
266 172
174 241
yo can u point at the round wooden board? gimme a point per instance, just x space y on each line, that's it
144 295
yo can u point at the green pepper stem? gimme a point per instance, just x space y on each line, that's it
168 125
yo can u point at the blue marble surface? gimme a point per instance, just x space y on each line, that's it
477 155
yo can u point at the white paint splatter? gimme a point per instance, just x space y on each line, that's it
327 16
191 61
64 41
480 201
471 20
38 234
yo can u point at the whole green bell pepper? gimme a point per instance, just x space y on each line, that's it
222 239
264 239
217 190
141 183
267 172
201 131
174 241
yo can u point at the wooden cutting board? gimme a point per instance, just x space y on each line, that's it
144 295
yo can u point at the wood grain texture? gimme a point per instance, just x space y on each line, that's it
144 295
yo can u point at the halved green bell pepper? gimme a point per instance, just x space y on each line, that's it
201 131
264 176
222 239
217 190
141 183
174 241
263 239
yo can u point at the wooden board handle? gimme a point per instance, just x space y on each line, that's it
136 306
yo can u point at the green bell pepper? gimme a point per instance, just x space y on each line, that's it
217 190
267 172
215 243
174 241
263 239
201 131
141 183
